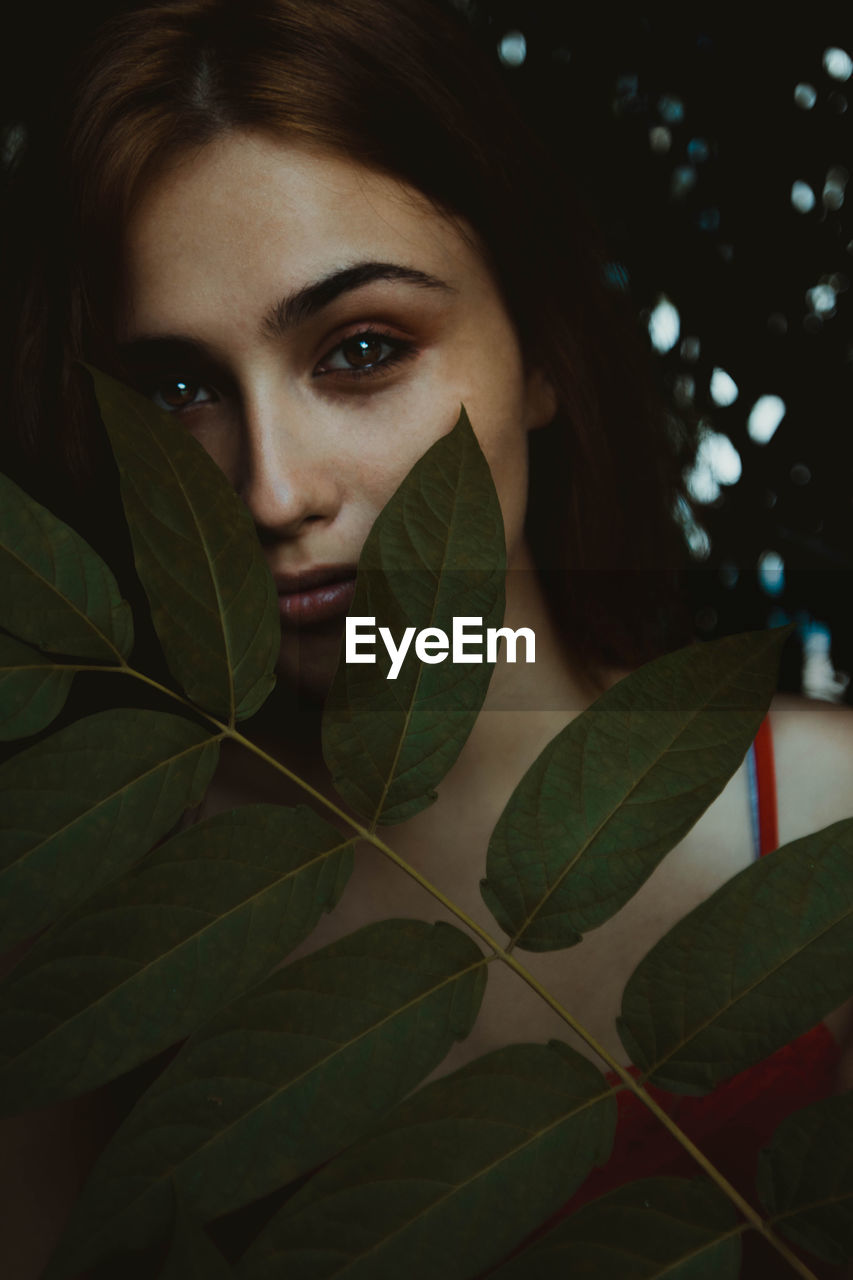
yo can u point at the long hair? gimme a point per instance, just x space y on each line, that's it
400 86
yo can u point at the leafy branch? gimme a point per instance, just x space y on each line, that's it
287 1068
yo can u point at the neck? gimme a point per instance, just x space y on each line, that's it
554 682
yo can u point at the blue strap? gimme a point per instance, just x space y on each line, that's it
752 779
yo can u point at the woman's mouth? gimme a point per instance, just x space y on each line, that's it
315 595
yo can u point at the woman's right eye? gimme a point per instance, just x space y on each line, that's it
174 394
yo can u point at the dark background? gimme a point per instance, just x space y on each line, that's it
686 134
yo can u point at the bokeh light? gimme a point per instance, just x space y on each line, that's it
664 324
805 96
671 109
724 389
717 463
683 180
837 63
722 457
802 197
512 49
696 537
771 573
822 299
764 418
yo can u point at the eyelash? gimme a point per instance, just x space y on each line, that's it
154 389
401 349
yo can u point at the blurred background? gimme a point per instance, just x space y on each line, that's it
717 157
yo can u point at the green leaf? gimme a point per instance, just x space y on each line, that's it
282 1080
622 784
147 960
805 1178
212 599
436 551
652 1229
33 689
453 1179
752 967
79 807
193 1255
56 592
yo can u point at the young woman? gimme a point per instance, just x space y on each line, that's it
309 231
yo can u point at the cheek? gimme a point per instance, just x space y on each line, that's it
504 444
507 458
496 408
220 437
403 428
494 393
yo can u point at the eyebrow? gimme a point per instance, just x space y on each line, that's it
290 311
296 308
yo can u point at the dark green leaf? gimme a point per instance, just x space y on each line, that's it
653 1229
33 689
56 592
282 1080
622 784
436 551
754 966
193 1255
453 1179
212 598
147 960
79 807
805 1178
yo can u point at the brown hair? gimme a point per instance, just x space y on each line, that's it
399 86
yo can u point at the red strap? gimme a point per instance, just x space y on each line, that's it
765 785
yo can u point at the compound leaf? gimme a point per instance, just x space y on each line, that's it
146 960
79 807
805 1178
212 599
281 1080
453 1179
755 965
57 593
436 551
652 1229
622 784
193 1255
33 689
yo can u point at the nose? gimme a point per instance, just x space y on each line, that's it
289 477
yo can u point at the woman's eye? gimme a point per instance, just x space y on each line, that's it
180 393
365 352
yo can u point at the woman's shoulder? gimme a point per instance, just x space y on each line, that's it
813 750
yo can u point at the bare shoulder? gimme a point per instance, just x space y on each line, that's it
813 746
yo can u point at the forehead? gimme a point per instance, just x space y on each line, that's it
248 216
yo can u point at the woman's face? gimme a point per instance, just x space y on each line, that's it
316 326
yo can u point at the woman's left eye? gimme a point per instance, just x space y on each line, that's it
364 353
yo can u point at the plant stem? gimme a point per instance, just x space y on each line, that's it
753 1217
627 1080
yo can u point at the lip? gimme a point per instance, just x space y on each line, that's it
315 595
